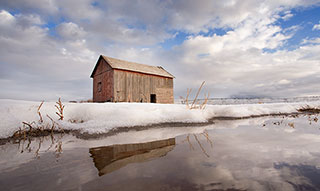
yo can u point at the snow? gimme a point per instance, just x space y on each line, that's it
102 117
233 101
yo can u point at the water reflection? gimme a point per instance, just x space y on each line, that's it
35 145
301 177
111 158
206 136
274 153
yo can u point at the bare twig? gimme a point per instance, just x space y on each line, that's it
196 104
29 125
203 105
38 111
60 108
53 122
195 99
53 125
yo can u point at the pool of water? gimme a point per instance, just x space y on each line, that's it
272 153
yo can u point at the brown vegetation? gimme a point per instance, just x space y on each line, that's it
309 109
36 129
60 108
38 111
86 101
291 125
196 103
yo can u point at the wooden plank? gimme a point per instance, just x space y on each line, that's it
139 86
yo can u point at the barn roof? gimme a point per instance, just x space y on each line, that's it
132 66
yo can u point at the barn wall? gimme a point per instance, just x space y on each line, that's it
137 87
103 74
164 95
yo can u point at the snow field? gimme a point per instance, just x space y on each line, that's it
102 117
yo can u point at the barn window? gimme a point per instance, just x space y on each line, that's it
153 98
99 86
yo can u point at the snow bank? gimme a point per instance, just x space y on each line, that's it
101 117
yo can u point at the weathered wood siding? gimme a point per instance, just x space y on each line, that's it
164 95
104 75
137 87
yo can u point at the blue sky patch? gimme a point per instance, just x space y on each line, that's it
304 19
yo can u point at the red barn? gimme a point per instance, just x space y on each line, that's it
117 80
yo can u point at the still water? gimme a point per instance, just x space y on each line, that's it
278 153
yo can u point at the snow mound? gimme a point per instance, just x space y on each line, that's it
102 117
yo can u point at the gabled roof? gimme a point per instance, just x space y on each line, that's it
132 66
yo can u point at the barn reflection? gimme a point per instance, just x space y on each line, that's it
111 158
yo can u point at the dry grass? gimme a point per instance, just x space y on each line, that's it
33 130
291 125
309 109
36 129
60 108
196 103
39 113
54 124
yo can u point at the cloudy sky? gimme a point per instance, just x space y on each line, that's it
241 48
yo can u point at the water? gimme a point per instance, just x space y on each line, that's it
279 153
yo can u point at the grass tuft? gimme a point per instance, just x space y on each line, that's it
196 103
38 129
309 109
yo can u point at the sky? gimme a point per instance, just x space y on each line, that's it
240 48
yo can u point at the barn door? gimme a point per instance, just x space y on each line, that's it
153 98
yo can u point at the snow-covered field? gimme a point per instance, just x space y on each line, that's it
233 101
102 117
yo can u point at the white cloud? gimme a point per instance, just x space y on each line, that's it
32 62
235 63
311 41
316 27
44 6
246 60
284 81
70 31
287 15
6 18
78 10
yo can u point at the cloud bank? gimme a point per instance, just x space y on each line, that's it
240 48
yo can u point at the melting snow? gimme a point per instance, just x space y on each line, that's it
102 117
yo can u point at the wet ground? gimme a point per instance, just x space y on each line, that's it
270 153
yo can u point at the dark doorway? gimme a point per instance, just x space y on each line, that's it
153 98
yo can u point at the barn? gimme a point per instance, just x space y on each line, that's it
116 80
